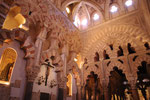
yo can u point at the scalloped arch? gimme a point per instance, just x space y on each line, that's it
120 67
94 41
138 63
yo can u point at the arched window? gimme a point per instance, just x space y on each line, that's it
69 85
7 63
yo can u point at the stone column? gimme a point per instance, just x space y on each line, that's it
61 89
135 93
148 88
105 89
79 92
64 57
33 67
29 87
134 89
106 93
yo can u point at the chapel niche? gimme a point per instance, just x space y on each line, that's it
7 63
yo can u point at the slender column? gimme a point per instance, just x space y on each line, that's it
79 92
38 44
64 57
135 94
134 91
106 94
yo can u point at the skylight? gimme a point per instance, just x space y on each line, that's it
114 9
96 16
84 22
128 3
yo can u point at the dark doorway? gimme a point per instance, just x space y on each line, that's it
44 96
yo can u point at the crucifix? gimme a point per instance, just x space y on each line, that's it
48 66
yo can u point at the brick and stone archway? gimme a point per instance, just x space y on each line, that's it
120 66
102 39
136 59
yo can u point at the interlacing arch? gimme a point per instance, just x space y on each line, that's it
20 35
119 66
91 67
50 17
125 34
135 64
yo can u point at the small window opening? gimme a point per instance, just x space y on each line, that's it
131 49
106 56
120 52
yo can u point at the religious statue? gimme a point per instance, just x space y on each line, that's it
6 72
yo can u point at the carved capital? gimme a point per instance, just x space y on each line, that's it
62 82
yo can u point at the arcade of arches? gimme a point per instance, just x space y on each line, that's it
74 50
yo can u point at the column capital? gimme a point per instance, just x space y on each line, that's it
132 81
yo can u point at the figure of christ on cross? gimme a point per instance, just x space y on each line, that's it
48 64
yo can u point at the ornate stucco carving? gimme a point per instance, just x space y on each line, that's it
118 35
48 15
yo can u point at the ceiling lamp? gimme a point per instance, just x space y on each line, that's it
84 22
128 3
68 10
96 16
113 8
